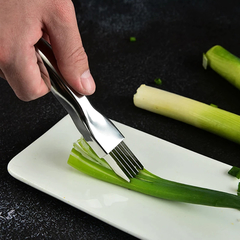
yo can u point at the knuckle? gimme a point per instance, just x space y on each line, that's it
79 55
27 95
22 97
64 10
74 57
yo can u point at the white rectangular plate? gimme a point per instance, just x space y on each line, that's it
43 165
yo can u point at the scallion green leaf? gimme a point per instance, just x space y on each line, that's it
148 183
235 172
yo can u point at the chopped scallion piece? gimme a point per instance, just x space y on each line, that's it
133 39
235 172
213 105
158 81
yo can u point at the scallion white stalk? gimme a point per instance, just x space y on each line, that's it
198 114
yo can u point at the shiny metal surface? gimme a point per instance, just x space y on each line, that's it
99 132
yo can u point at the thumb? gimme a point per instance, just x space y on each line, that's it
68 50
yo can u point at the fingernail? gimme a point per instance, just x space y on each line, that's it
87 82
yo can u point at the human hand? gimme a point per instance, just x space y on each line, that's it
23 23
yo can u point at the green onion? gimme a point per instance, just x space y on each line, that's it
85 160
158 81
132 39
201 115
235 172
224 63
213 105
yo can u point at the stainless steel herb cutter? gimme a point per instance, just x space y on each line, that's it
98 131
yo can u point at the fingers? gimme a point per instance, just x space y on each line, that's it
67 47
24 75
21 27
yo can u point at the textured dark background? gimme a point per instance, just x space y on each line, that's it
171 37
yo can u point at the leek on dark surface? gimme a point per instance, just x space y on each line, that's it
198 114
224 63
84 159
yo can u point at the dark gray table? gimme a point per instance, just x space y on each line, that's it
171 37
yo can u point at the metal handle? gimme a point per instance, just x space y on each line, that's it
97 130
